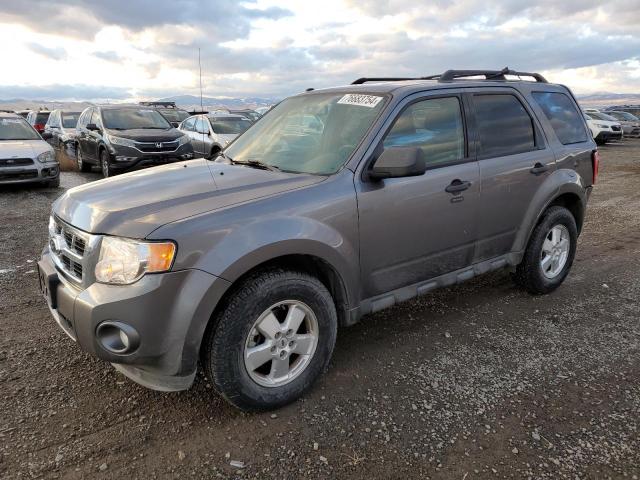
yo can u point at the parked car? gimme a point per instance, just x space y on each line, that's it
24 156
630 123
23 113
38 120
248 264
603 128
169 110
246 112
120 137
211 133
60 129
632 109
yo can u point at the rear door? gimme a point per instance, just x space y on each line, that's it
201 136
83 134
514 160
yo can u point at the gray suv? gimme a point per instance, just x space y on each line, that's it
248 263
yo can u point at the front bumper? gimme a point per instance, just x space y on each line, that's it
128 158
605 136
169 311
38 172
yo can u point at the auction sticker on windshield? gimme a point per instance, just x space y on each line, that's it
360 100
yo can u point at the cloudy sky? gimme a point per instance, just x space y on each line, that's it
124 49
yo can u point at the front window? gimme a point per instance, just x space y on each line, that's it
131 118
70 119
314 133
623 116
16 129
602 116
229 125
176 116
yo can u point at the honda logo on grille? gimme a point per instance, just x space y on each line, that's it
158 145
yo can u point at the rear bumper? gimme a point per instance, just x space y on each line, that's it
168 311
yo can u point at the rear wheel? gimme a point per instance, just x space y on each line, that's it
271 340
550 253
82 165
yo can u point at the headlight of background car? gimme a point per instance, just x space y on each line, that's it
46 157
123 261
600 125
125 142
183 140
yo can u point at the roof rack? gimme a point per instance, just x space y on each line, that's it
159 104
456 74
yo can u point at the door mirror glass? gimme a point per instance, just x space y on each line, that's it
398 162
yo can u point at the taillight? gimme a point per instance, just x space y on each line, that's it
595 161
39 127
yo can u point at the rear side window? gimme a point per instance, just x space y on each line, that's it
504 125
434 126
563 116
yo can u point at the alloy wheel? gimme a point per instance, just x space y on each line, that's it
555 251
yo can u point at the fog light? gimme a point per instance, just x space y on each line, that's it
122 158
117 337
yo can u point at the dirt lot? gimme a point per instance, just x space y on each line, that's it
475 381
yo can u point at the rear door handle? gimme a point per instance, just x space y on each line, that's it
457 186
539 168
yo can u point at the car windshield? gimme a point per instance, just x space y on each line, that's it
313 133
131 118
70 119
175 115
601 116
229 125
624 116
16 129
41 118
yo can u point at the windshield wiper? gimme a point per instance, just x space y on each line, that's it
250 163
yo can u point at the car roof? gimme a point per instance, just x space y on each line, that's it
10 115
224 115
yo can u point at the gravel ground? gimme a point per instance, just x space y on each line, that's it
480 380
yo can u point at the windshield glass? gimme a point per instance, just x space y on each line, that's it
601 116
175 115
70 119
313 133
624 116
130 118
16 129
42 117
229 125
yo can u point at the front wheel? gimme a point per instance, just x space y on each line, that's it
105 165
271 340
550 253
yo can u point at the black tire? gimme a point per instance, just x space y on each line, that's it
529 273
223 345
55 183
82 165
105 165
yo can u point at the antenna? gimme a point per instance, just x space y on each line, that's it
201 106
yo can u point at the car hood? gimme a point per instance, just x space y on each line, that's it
147 134
22 148
227 137
135 204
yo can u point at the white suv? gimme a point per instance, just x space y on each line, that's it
602 126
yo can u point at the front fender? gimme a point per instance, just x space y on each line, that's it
560 182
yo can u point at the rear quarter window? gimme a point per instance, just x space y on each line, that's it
563 116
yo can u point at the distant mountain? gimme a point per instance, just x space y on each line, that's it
607 98
194 100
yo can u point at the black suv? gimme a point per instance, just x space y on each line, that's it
169 110
122 137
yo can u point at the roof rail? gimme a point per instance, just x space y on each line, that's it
454 74
489 74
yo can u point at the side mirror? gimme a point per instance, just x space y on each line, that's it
46 135
395 162
93 127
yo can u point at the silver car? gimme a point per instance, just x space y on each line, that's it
630 123
211 133
24 156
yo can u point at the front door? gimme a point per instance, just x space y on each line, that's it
416 228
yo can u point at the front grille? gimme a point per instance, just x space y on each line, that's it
19 175
68 246
151 147
615 128
15 162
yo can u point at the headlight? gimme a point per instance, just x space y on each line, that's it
123 261
183 140
125 142
600 125
46 157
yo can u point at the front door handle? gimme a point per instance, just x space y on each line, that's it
457 186
539 168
